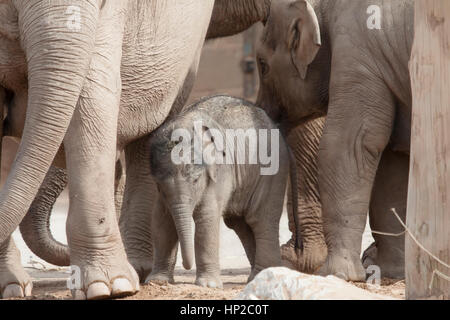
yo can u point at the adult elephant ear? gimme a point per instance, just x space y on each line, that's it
303 36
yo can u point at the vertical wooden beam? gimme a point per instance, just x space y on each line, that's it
428 215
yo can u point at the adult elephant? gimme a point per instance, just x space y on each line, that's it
328 57
144 104
92 68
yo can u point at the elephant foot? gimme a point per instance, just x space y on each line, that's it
14 280
143 267
107 277
160 278
390 262
209 281
308 260
345 265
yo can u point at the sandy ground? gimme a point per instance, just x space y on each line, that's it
50 281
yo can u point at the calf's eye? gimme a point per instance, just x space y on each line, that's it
263 67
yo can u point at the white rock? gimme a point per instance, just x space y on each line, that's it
286 284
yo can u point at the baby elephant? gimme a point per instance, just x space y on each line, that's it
220 157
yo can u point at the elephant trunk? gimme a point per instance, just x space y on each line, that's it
183 223
294 195
35 227
2 116
231 17
58 53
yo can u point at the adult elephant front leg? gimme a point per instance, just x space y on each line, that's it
304 141
139 201
53 93
14 281
93 235
390 191
358 128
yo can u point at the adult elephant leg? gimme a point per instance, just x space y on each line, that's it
92 227
358 128
138 203
165 242
93 234
389 192
14 281
304 142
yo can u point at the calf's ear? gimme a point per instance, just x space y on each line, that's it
303 36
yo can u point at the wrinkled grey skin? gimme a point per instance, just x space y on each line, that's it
304 142
86 89
322 59
228 18
250 203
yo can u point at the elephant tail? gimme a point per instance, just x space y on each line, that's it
35 227
294 191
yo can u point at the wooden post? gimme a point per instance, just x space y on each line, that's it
428 216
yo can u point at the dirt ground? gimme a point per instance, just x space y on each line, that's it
48 286
50 281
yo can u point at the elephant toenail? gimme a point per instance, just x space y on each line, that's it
122 286
13 291
98 290
28 289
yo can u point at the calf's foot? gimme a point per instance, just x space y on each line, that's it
160 277
142 266
209 281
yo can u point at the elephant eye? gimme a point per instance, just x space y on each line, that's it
263 67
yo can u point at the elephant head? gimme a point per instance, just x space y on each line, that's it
290 61
57 38
186 177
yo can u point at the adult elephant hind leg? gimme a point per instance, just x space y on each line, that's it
14 281
304 142
358 128
389 192
93 235
138 205
165 242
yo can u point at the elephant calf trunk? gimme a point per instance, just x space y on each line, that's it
35 227
182 218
